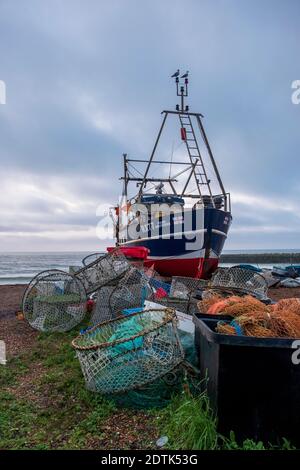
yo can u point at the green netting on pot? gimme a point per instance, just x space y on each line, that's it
129 352
156 394
103 270
54 301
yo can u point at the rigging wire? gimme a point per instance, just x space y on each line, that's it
172 153
141 174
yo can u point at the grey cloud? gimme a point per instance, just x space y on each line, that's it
86 81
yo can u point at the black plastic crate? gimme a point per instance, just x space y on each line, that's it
252 384
206 316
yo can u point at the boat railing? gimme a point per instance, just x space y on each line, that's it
226 202
217 201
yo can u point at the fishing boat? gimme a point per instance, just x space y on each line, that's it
179 209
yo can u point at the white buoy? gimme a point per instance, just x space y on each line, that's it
2 353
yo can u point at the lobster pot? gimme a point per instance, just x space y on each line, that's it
131 292
103 270
91 258
41 286
239 280
181 305
55 301
184 287
129 352
102 311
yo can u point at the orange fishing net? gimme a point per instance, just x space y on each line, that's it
233 306
242 305
286 325
204 304
258 331
249 329
290 305
253 318
226 329
223 305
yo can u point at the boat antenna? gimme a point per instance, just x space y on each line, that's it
181 90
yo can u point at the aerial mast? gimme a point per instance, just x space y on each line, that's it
181 90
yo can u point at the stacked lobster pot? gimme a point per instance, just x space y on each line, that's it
183 293
55 300
135 352
140 337
120 298
237 280
103 270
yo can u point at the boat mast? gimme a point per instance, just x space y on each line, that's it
195 166
125 166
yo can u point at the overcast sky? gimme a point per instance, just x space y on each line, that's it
86 81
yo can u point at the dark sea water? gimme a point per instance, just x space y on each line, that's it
20 268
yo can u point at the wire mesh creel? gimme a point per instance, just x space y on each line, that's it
131 292
54 301
129 352
102 311
239 280
38 276
103 270
184 287
91 258
188 306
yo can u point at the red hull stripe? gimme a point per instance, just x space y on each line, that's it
195 267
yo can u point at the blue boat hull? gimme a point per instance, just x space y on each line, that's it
176 251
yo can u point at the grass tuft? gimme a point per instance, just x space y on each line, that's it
189 424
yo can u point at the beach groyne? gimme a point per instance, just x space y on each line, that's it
261 258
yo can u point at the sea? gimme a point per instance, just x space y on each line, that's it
20 268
